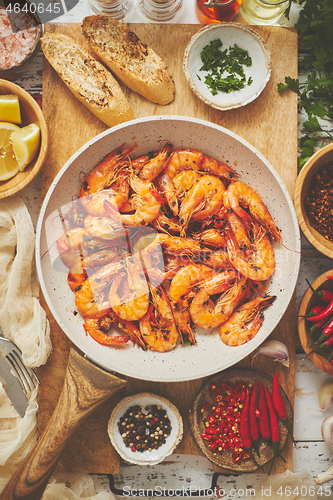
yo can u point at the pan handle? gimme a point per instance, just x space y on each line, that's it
165 492
85 387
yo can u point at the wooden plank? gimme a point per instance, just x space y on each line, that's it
269 123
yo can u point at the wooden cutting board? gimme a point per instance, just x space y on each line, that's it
269 123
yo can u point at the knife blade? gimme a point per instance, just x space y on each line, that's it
12 386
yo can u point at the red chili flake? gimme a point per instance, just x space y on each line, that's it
318 201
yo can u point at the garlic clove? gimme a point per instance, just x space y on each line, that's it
274 349
325 394
327 430
324 477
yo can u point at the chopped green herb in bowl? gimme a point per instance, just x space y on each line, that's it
226 67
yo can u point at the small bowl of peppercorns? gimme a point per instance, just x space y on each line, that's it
314 200
145 428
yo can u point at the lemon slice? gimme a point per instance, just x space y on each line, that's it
10 109
26 143
8 163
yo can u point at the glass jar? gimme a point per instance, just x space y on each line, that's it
216 11
263 11
117 9
160 11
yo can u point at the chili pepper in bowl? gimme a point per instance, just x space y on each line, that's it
325 313
324 295
274 425
278 403
318 308
264 427
253 421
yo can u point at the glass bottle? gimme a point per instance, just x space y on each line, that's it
216 11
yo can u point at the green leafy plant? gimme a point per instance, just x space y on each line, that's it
315 30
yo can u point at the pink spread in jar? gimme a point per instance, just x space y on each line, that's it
15 46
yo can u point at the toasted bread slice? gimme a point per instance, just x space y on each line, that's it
88 79
132 61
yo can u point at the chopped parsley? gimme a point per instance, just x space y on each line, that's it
226 67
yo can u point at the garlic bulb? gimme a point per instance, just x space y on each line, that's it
327 430
274 349
325 394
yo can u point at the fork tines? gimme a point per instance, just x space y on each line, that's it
27 377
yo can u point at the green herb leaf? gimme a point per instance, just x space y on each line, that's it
225 67
314 28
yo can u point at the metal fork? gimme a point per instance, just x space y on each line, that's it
26 376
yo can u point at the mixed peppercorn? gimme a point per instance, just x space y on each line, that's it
318 202
144 428
320 323
241 416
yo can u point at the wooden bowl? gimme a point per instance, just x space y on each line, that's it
31 113
308 301
303 183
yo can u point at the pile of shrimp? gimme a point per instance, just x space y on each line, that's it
165 245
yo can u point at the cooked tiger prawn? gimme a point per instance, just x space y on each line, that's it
91 303
154 166
240 231
146 203
238 194
213 237
234 331
190 159
88 265
70 246
104 174
259 264
98 329
103 227
129 292
181 288
204 199
184 181
207 314
166 225
157 326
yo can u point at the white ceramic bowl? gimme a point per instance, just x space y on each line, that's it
146 457
229 34
209 355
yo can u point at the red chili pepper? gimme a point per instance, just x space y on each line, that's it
329 277
253 422
315 310
324 295
325 313
328 328
244 428
264 427
279 405
277 399
274 425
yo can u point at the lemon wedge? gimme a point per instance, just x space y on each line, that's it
10 109
8 163
26 142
